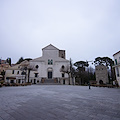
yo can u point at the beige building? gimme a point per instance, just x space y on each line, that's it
14 75
101 74
3 66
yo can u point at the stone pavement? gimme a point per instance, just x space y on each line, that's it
59 102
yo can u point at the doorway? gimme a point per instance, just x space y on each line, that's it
49 74
63 81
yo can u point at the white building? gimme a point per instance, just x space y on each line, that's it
49 65
52 66
117 66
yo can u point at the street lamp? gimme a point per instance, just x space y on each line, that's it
88 72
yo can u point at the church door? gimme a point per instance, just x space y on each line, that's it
49 74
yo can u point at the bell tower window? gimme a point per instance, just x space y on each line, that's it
50 62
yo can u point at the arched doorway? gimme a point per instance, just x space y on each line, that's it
100 82
50 73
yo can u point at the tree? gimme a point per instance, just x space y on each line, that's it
81 74
72 71
66 69
3 74
8 60
91 73
81 64
20 60
108 62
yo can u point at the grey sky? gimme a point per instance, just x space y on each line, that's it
86 29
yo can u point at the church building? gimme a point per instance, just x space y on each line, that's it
49 66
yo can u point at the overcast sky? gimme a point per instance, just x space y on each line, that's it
86 29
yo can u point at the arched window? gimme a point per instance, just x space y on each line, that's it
51 62
48 62
63 66
37 66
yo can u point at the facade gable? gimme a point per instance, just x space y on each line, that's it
50 47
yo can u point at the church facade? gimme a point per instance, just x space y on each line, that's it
52 66
48 66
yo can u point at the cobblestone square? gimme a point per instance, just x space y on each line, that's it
59 102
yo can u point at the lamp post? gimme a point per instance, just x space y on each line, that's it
88 72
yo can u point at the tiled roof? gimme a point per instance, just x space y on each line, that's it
116 53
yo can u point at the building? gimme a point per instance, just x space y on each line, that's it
101 74
52 66
117 66
14 74
3 66
49 65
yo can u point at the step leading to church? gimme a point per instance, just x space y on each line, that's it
49 82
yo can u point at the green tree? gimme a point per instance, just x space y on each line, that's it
8 60
20 60
108 62
81 64
91 73
80 74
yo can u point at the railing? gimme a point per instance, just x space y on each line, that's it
118 64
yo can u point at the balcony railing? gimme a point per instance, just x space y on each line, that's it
115 65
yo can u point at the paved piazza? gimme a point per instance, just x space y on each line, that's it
59 102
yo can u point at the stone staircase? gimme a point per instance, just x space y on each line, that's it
49 82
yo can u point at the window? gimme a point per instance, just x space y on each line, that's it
36 74
50 62
117 72
18 72
37 66
62 56
13 72
116 61
63 66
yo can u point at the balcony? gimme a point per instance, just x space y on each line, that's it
116 65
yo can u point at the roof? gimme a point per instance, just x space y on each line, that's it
24 63
42 59
116 53
51 47
16 67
